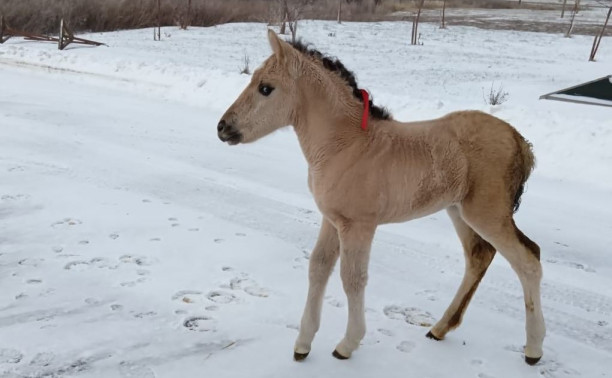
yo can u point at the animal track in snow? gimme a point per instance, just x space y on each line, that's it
201 323
42 359
385 332
554 369
97 262
248 286
133 283
10 356
188 296
142 315
221 297
66 222
406 346
134 259
572 264
410 315
335 302
116 307
15 197
30 262
134 370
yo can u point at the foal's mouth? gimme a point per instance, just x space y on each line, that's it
231 138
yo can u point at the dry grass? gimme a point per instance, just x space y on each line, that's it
42 16
410 5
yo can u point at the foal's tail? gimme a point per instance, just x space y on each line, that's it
524 163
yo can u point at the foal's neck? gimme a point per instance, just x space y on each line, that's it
327 120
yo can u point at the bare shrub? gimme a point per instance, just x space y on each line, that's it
496 96
246 62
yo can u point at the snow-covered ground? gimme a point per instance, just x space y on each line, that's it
133 243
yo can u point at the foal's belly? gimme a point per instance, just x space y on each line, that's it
416 200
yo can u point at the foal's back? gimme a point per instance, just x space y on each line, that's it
427 166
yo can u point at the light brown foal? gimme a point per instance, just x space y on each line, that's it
470 163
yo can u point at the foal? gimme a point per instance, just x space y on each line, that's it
470 163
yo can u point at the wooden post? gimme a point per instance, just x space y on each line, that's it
157 31
3 28
340 11
442 23
571 27
563 9
599 37
189 13
415 24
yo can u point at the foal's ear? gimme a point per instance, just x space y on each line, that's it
276 44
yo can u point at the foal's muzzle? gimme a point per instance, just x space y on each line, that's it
228 133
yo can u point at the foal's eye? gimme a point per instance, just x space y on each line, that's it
265 89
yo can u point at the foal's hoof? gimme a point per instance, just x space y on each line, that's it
432 336
532 360
299 356
339 356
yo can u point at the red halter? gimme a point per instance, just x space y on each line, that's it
366 109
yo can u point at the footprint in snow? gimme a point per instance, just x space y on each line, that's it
410 315
202 323
248 286
385 332
221 297
188 296
42 359
66 222
554 369
135 370
10 356
136 259
406 346
30 262
335 302
133 283
98 262
142 315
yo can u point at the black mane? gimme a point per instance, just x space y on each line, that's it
335 65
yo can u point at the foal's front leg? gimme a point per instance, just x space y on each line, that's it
322 261
355 244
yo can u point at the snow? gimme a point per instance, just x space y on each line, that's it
133 243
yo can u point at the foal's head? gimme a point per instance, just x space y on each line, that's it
269 101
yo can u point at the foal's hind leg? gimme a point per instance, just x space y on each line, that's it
478 256
322 261
524 257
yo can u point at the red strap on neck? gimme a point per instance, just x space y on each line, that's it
366 109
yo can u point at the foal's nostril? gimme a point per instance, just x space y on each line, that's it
221 126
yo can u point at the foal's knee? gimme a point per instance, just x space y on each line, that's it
354 281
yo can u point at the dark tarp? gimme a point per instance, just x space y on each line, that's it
596 92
